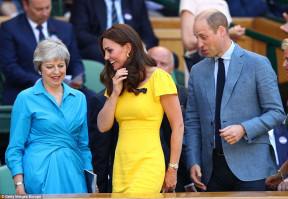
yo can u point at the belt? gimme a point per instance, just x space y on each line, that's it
215 151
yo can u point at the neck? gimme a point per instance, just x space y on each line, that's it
53 90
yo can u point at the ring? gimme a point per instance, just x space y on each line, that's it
172 188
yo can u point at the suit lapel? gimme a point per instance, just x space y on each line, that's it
234 71
210 83
27 31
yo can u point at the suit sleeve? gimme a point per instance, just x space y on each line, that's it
146 31
269 101
81 20
9 60
192 131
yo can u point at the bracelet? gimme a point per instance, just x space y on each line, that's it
18 183
281 174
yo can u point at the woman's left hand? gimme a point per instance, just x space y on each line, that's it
170 180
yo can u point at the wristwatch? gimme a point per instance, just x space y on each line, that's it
174 166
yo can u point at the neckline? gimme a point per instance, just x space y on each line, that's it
148 79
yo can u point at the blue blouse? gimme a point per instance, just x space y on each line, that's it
48 143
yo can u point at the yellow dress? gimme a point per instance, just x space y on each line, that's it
139 165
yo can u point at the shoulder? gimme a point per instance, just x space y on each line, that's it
60 23
14 21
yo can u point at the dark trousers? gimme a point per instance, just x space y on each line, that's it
222 178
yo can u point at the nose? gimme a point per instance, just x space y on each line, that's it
200 43
106 57
56 71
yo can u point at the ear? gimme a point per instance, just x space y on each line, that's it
25 5
129 47
222 31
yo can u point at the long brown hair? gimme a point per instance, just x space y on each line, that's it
135 64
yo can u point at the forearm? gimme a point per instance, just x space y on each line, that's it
188 38
176 143
106 116
284 169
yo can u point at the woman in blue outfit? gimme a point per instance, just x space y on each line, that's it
48 149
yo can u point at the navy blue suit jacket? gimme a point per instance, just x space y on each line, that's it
89 18
281 141
17 45
102 145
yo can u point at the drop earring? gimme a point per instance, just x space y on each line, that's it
128 55
40 73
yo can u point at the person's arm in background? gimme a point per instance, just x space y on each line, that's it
277 179
146 31
81 22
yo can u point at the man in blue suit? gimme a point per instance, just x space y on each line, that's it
233 98
91 18
18 40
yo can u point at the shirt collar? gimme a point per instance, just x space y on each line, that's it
38 88
227 55
34 25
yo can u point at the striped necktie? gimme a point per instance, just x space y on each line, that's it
114 14
41 35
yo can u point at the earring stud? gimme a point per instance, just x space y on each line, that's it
128 55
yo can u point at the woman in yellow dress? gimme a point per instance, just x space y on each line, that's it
137 94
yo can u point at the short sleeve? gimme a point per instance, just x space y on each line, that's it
163 83
106 95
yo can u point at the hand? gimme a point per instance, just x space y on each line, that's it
118 78
77 84
195 175
283 186
284 27
236 32
273 181
233 133
20 189
170 180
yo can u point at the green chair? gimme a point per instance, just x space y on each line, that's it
6 181
178 77
92 75
5 118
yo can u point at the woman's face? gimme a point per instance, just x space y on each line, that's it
115 53
53 73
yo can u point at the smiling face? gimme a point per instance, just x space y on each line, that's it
115 53
209 42
53 73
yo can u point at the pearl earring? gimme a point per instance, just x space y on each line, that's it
40 73
128 55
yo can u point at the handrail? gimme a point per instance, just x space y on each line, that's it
271 45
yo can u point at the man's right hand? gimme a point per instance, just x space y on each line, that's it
195 175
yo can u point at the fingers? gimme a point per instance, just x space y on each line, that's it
120 73
283 186
196 176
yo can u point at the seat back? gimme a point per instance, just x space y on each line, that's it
5 119
178 77
92 75
6 181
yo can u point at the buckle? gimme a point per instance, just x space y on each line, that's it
215 151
